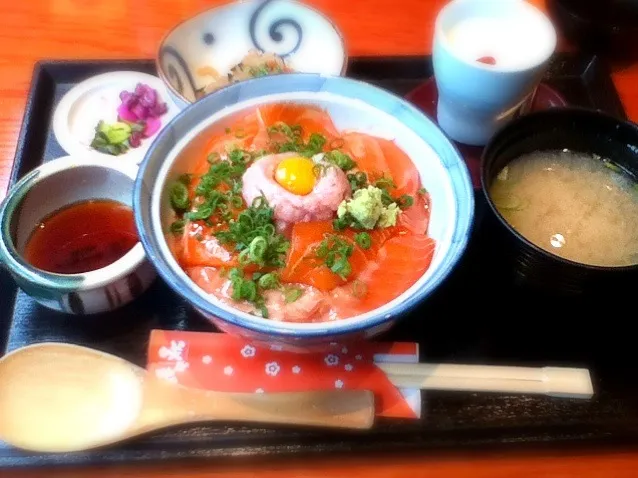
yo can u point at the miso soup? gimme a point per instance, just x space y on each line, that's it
579 207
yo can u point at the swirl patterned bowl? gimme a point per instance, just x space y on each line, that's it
352 105
220 37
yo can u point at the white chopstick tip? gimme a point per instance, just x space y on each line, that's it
552 381
568 382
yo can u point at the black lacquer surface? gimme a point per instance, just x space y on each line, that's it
474 318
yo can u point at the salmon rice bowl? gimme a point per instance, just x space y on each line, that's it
287 218
303 207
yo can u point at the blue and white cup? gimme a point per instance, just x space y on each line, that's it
488 56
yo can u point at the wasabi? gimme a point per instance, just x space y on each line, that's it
367 209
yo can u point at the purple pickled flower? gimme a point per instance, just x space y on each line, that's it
140 89
125 114
140 111
142 104
152 126
131 102
159 109
149 98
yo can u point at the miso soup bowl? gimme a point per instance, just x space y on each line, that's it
352 105
578 130
48 188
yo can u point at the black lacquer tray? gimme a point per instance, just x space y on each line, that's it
476 317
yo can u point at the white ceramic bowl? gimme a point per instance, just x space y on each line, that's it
220 37
352 105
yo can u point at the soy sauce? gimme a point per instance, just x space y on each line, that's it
82 237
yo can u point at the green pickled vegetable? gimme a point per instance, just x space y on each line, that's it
112 138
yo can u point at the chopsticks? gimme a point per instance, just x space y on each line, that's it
552 381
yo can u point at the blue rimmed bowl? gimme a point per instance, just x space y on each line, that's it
352 105
49 188
219 38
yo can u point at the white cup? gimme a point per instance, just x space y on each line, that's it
476 99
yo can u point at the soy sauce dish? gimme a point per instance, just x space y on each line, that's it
563 195
68 237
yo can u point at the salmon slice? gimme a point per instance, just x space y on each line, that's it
303 266
312 119
207 252
385 278
401 261
261 140
367 153
310 306
227 142
347 300
378 157
240 134
401 168
210 280
378 238
304 235
416 218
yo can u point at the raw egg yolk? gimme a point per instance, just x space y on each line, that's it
296 174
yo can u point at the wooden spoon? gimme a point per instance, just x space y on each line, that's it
57 397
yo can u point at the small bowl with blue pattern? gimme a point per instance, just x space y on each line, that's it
353 106
245 39
48 190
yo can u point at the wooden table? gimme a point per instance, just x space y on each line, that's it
35 29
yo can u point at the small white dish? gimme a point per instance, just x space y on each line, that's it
98 98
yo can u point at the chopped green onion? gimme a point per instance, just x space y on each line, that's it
253 233
236 202
268 281
250 289
177 226
385 182
334 251
257 249
341 160
340 223
292 294
405 201
357 180
345 221
295 142
341 267
185 179
364 240
179 197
